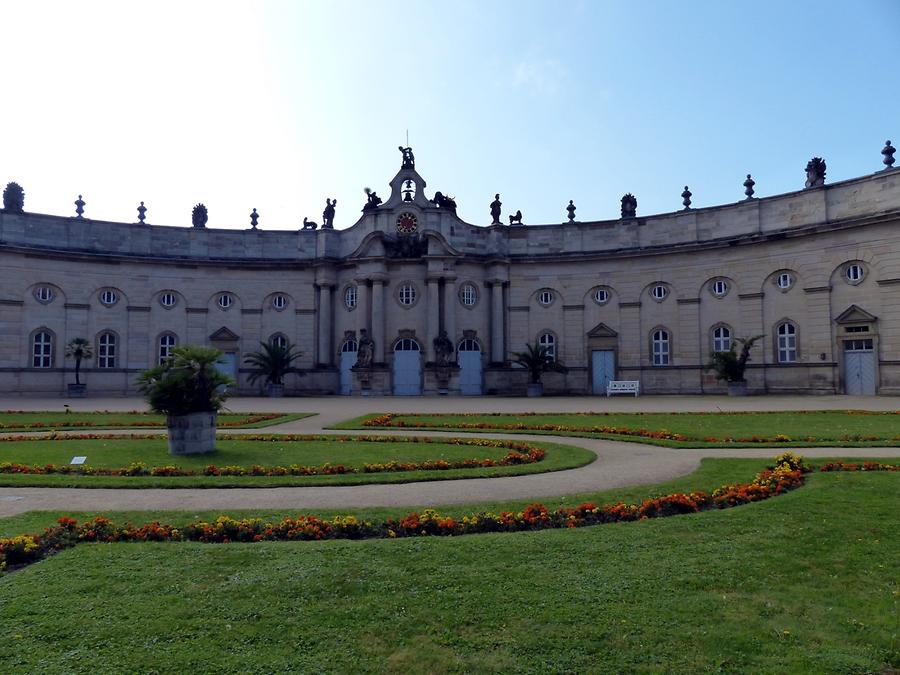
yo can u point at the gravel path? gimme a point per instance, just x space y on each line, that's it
618 464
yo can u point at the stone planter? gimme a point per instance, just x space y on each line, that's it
76 390
193 434
275 390
737 388
535 390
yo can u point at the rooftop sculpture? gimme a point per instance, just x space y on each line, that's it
328 214
629 206
14 198
815 172
199 216
372 200
495 210
142 210
79 207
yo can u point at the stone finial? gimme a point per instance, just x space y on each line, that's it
199 216
888 151
496 205
142 211
629 205
815 172
748 187
686 198
254 219
14 198
79 207
571 211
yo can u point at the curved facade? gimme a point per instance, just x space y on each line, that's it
817 272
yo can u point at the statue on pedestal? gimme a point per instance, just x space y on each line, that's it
199 216
443 349
629 206
372 200
365 351
443 201
515 219
14 198
328 214
495 210
409 160
815 172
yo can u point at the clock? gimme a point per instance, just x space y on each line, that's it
407 223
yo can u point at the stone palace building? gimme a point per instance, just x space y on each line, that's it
816 272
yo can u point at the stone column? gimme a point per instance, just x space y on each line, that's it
432 315
363 305
451 304
378 319
325 324
497 355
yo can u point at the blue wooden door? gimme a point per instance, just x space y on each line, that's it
469 360
603 369
227 365
407 368
348 359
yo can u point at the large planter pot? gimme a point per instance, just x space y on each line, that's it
193 434
535 389
76 390
737 388
275 390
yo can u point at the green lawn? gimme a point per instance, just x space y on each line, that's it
806 582
829 428
15 421
119 452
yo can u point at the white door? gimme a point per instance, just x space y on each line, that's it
228 365
603 369
407 368
469 360
348 360
859 367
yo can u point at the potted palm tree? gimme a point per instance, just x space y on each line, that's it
537 360
81 350
272 363
189 390
730 366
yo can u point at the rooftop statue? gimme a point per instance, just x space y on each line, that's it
888 151
495 210
443 201
815 172
372 201
142 213
515 219
686 198
328 214
14 198
629 206
254 218
79 207
571 211
308 224
748 187
199 216
409 160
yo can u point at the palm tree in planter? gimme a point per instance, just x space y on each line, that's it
189 389
81 350
730 366
537 360
273 362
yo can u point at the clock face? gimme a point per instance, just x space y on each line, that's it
406 223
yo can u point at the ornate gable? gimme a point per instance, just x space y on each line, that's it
855 314
602 330
224 334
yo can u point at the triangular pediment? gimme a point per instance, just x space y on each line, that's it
602 330
855 314
224 334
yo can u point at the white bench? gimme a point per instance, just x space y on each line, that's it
623 387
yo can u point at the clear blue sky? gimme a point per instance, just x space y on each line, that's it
278 105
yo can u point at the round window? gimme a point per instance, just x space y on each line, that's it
601 296
719 288
279 301
855 273
545 297
350 297
109 297
468 295
407 295
168 299
43 294
784 280
225 301
659 292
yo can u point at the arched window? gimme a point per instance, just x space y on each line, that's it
406 345
166 342
548 341
786 334
279 340
349 346
721 339
469 345
42 349
106 350
660 347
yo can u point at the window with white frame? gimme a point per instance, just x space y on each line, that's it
42 350
719 288
407 295
601 296
784 280
166 342
660 347
106 350
721 339
225 300
43 294
548 342
659 292
168 299
351 297
279 301
468 295
545 297
787 342
279 340
855 273
109 297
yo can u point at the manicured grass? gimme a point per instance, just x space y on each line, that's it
844 428
119 452
15 421
805 582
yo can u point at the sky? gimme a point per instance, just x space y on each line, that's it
279 105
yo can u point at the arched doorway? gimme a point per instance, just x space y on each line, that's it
348 359
407 368
469 360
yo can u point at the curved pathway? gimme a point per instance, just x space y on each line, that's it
619 464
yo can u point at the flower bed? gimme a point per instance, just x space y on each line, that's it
787 474
248 419
519 453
